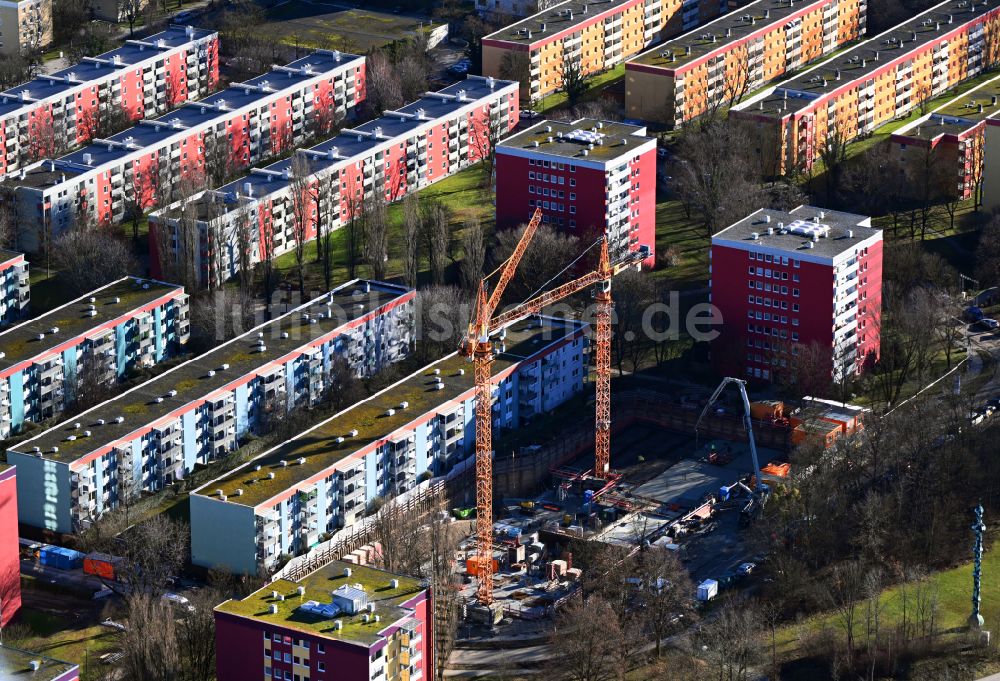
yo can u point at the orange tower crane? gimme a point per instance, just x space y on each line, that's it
479 349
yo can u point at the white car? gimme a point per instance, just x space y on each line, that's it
178 601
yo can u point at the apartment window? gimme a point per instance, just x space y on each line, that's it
795 337
751 270
795 277
795 263
320 667
795 293
795 307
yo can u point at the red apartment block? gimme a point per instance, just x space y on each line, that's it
144 77
222 134
10 563
784 282
587 176
345 622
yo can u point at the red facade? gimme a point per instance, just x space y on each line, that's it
43 130
576 195
246 646
784 310
10 564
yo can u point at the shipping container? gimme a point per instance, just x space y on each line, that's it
60 558
102 565
708 590
472 566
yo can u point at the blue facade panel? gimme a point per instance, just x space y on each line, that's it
16 382
190 440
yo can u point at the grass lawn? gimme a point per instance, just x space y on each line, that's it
595 84
954 594
324 26
60 637
47 292
462 193
687 236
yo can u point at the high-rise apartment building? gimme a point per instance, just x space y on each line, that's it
25 26
57 111
794 288
587 176
10 550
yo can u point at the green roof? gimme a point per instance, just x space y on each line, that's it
6 255
570 140
21 342
16 664
318 585
152 400
318 445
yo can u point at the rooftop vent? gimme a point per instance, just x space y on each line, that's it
347 572
273 609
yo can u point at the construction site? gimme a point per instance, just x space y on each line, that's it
679 479
688 476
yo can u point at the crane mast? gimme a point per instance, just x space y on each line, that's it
479 349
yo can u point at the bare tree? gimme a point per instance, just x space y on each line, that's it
549 253
437 235
443 537
731 640
327 212
401 536
713 179
516 65
131 11
473 255
148 642
574 85
354 202
587 642
664 598
384 90
376 232
303 212
443 318
411 239
484 139
195 633
88 259
8 216
834 155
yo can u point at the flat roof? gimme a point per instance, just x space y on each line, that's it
6 256
190 115
377 585
60 82
785 238
151 401
866 58
16 664
717 35
569 140
319 446
358 142
21 343
959 114
557 19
